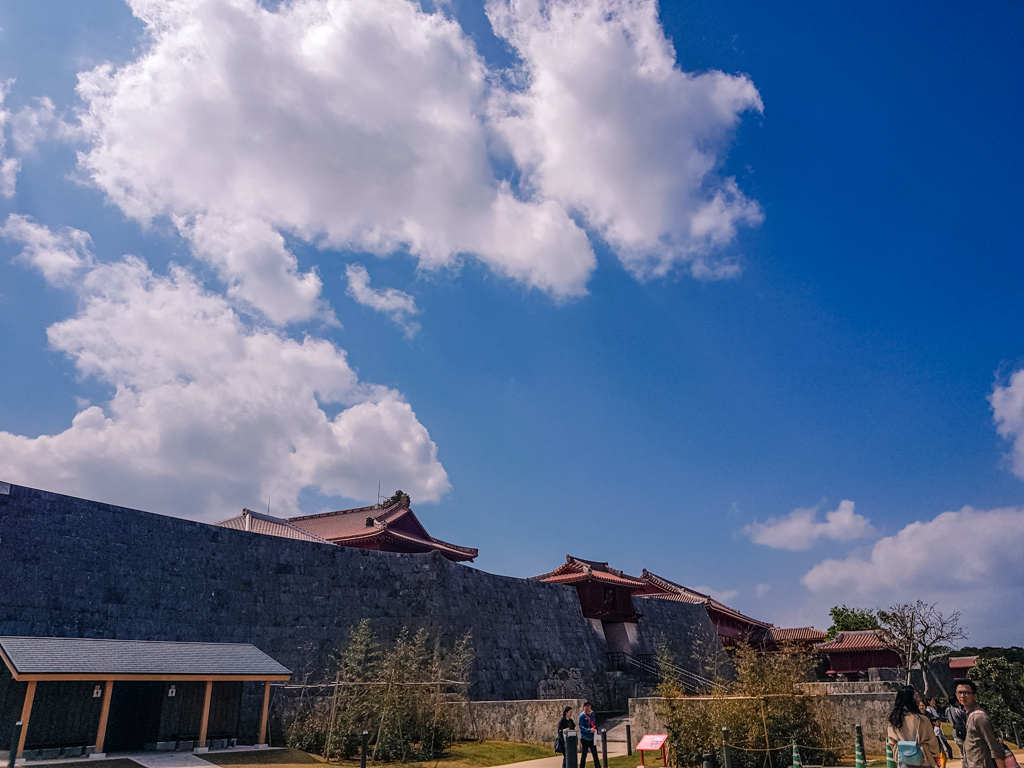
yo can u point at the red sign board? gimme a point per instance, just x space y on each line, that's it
653 743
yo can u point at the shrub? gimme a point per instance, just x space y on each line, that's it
763 710
409 697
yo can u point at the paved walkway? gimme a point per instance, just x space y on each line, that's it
167 760
615 748
145 759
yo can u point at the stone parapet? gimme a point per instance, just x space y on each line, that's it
533 722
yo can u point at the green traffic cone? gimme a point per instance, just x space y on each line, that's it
796 756
858 751
889 762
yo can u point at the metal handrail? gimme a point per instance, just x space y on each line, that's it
649 667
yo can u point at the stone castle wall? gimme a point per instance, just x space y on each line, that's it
76 568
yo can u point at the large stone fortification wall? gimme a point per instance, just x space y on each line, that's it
686 631
77 568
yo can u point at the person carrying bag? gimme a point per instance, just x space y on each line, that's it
911 735
566 723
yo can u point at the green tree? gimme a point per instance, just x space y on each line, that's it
851 619
1000 691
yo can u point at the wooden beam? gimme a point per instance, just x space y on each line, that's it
206 713
266 712
101 730
26 712
8 663
100 676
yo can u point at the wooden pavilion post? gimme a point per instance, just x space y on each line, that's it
26 711
206 713
101 729
266 712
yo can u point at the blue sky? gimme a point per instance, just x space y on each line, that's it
742 308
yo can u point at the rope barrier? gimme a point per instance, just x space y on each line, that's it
343 684
773 749
759 749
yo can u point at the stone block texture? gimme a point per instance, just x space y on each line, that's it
532 722
77 568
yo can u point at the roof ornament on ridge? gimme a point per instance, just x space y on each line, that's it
389 526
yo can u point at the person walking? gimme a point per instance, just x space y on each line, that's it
982 748
567 723
957 717
910 734
588 729
937 727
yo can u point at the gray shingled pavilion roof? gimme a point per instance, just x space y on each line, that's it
60 656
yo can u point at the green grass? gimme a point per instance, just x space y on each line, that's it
280 757
632 761
482 754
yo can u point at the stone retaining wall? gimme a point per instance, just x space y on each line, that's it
533 722
869 709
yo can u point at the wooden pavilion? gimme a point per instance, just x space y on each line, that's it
388 527
83 696
605 593
851 654
606 599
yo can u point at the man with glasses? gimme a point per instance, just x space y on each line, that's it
982 749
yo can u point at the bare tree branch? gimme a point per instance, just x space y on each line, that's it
920 633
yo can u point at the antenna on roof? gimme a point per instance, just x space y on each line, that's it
268 505
378 493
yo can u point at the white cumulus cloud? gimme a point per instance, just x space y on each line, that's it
260 272
1007 401
968 560
9 166
610 126
721 595
396 304
801 527
39 122
376 126
347 124
58 256
207 413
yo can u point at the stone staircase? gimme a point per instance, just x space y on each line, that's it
616 728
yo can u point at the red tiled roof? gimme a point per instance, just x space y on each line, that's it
962 662
855 640
678 592
395 522
576 569
344 523
782 634
269 526
600 576
430 543
692 599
